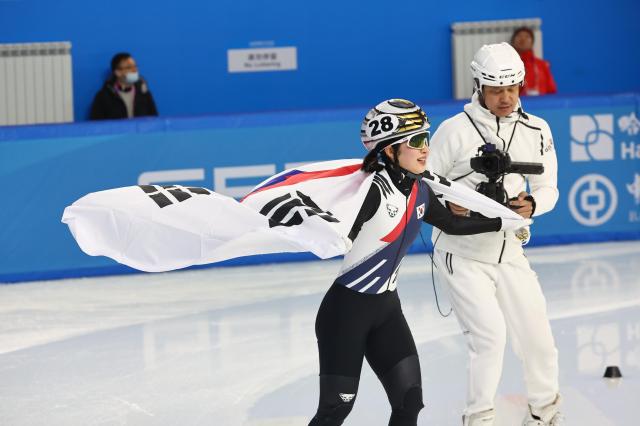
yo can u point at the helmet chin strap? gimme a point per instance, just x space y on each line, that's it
404 172
412 175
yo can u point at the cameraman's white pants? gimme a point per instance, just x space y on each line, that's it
489 299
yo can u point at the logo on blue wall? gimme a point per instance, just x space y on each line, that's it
634 188
592 137
593 200
629 124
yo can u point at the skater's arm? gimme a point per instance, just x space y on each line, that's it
368 209
440 217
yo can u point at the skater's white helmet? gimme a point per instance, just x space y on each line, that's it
390 121
497 65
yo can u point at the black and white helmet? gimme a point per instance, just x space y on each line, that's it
497 65
390 121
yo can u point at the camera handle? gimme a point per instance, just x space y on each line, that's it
493 189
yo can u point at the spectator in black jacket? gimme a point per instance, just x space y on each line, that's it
125 94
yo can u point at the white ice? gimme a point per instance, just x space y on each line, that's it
236 346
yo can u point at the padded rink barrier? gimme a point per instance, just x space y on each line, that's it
45 168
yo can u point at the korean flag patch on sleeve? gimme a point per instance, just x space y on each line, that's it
420 211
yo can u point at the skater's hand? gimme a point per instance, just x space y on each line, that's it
509 224
523 205
458 210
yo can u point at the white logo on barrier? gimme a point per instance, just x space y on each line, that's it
592 137
634 188
221 176
595 275
588 200
629 124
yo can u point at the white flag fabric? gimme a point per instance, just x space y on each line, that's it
310 208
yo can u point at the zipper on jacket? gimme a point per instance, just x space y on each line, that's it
504 144
504 242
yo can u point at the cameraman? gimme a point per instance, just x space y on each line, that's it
492 287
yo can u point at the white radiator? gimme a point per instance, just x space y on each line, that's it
35 83
468 37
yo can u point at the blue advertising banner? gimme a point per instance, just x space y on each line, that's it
598 146
45 168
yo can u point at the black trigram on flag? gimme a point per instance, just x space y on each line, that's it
179 193
431 176
279 208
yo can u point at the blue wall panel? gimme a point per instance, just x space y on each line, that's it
349 53
45 168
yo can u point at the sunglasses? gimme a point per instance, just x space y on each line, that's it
417 141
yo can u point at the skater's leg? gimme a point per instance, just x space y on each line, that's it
392 354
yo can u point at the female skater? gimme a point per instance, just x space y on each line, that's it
360 316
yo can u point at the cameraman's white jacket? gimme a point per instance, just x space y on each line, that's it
526 138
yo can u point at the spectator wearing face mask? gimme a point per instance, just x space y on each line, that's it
125 94
538 78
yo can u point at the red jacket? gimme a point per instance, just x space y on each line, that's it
538 79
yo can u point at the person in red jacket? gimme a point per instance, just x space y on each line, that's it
538 78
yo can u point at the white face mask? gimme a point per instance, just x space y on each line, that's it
132 77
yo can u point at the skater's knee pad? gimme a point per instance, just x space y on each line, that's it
403 382
337 396
407 413
331 415
331 412
413 400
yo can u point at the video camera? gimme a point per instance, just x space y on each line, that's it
494 164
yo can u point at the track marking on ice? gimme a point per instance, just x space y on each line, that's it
134 406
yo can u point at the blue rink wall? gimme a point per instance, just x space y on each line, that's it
45 168
349 53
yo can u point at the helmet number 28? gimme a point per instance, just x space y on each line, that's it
382 125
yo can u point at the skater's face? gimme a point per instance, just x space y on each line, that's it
501 101
411 159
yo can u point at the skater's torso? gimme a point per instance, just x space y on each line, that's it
389 220
387 224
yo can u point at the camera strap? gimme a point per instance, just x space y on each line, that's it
482 137
512 133
475 127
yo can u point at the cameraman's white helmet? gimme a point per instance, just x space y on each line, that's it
390 121
497 65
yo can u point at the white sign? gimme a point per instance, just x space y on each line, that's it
262 59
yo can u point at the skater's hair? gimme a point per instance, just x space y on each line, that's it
375 160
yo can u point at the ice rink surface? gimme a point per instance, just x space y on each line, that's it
236 345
